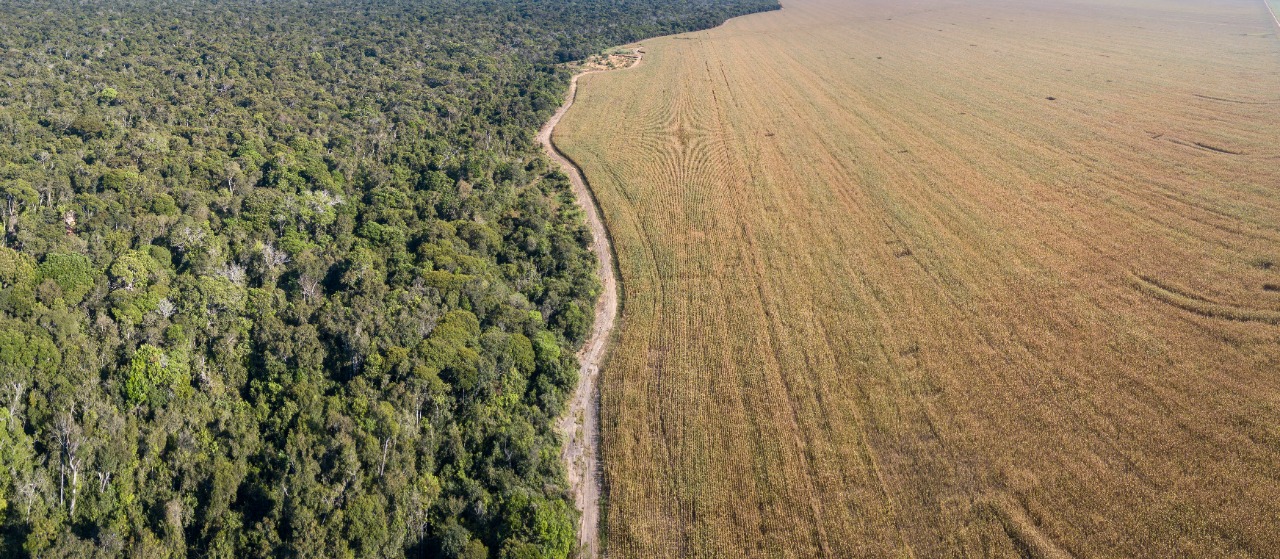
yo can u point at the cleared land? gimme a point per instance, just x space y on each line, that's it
944 278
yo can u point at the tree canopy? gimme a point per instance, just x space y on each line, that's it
292 278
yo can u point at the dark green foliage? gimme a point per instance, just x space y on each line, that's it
292 279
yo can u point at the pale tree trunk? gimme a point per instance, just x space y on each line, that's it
69 438
75 484
11 220
386 446
18 389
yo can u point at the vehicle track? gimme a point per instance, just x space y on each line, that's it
579 426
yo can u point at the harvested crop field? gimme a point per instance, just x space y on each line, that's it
944 278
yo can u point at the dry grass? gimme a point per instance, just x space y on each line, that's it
610 60
884 297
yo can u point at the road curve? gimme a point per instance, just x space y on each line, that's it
580 427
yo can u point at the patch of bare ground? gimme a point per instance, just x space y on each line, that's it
613 59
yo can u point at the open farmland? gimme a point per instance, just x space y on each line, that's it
943 278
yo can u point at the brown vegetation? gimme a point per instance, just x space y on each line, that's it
619 58
884 298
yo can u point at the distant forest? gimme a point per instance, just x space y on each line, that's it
292 279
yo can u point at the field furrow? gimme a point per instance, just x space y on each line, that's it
944 278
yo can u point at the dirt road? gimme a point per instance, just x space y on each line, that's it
579 427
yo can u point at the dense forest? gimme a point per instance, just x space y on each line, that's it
292 279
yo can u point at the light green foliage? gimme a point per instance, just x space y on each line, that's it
522 355
16 454
17 281
153 376
546 348
139 283
131 270
17 194
107 95
74 274
16 268
546 527
122 180
450 349
26 352
221 295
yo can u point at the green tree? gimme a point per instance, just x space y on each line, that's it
74 275
18 196
154 377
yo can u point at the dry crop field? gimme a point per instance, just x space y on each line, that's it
944 278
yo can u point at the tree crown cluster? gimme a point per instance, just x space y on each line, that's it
292 279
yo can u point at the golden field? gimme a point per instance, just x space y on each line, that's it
944 278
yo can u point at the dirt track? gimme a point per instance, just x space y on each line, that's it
580 425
